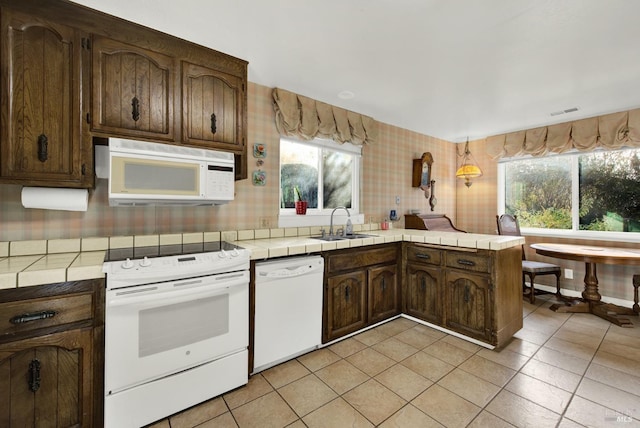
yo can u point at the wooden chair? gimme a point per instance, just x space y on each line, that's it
508 225
636 284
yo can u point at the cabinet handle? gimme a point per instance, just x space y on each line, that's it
423 256
21 319
466 262
467 294
214 128
423 284
34 375
383 284
346 293
43 148
135 109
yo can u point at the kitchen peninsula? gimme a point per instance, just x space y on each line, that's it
466 284
28 263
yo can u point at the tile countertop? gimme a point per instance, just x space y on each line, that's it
27 270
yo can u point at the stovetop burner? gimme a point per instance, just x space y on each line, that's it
121 254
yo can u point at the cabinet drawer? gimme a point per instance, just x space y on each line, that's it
29 315
468 261
358 258
424 255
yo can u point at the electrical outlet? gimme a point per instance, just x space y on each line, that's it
397 200
568 273
264 222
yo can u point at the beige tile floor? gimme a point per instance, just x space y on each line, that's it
560 370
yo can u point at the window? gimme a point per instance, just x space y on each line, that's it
326 174
595 192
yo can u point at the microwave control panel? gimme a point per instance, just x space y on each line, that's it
220 181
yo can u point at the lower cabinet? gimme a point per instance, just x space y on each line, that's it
382 286
473 292
423 297
468 305
346 299
361 288
51 340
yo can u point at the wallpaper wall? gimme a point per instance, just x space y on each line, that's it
387 166
387 171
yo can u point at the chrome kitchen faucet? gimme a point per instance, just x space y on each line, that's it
349 226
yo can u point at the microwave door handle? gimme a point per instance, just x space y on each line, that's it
174 296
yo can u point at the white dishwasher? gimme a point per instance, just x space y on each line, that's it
288 309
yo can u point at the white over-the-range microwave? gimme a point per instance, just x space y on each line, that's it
143 173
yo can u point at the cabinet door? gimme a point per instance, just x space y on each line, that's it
132 91
423 297
383 293
44 140
212 108
468 302
47 381
346 304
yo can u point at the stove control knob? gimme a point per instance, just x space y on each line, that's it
235 253
127 264
145 262
223 254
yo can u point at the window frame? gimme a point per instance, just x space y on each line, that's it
287 217
575 232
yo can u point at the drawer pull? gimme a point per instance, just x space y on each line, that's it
423 256
466 262
21 319
34 375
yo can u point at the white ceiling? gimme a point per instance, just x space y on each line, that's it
451 69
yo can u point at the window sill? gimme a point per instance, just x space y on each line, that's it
583 234
317 219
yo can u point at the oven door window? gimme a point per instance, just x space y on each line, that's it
173 326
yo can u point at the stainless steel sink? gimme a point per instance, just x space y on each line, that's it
329 238
342 237
358 235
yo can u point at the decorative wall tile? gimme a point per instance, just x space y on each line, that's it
95 244
192 238
25 248
171 239
63 246
121 242
262 234
245 234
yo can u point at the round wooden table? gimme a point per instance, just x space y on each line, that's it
591 255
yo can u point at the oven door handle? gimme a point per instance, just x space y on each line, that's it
174 296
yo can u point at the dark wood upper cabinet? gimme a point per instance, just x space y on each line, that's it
44 140
133 91
70 73
213 104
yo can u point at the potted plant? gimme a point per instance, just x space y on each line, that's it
301 205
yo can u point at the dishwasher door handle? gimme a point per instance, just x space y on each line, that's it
288 272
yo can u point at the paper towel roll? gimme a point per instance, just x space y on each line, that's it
50 198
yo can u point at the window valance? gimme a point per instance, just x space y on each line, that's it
611 131
306 118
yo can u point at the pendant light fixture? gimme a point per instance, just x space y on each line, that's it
469 167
